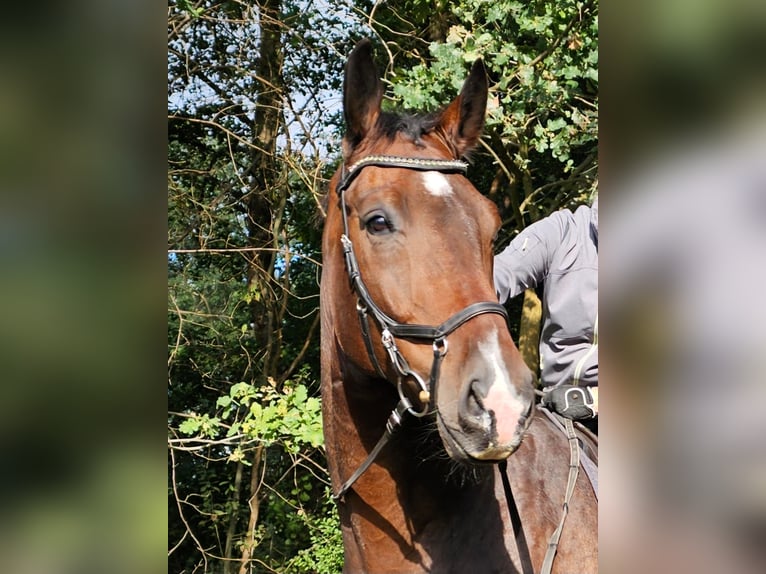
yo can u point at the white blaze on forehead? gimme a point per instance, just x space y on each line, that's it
436 183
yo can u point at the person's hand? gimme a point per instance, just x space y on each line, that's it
576 403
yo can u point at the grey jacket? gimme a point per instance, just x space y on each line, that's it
559 252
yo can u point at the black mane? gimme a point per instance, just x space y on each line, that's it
412 125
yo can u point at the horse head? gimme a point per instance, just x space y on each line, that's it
408 249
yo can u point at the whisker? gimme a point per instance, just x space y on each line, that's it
426 444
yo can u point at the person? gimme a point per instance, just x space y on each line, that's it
560 253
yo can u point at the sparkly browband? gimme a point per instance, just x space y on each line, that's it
421 164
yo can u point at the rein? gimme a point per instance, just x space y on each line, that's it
390 329
574 470
566 426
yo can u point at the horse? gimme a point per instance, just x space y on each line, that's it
439 459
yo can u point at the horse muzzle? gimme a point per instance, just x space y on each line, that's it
489 423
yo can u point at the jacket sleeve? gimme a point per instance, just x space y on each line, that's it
525 262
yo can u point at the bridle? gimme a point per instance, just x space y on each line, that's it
390 328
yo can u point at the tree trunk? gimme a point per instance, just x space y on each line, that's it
266 200
255 505
265 204
529 330
231 531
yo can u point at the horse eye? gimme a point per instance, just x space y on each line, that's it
377 224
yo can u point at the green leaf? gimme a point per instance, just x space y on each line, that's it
556 124
239 390
190 426
300 395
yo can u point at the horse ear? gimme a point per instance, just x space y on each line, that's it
362 93
463 120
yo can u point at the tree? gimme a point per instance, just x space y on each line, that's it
246 170
254 126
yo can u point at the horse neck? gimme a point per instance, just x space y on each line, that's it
413 495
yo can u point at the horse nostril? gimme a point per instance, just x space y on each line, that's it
525 416
474 403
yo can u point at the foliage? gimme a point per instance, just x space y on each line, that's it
299 522
325 555
542 125
253 136
251 123
266 414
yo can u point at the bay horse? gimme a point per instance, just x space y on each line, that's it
413 339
